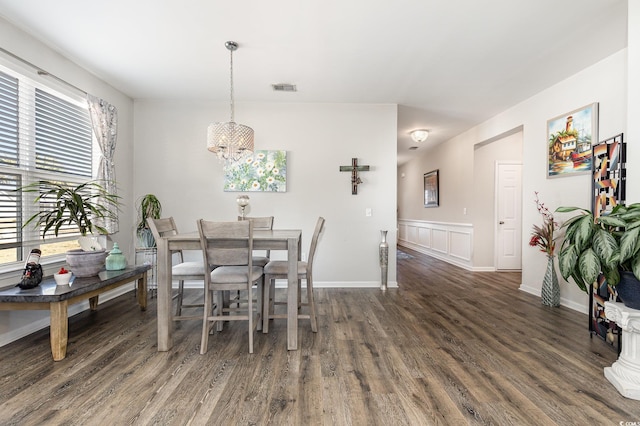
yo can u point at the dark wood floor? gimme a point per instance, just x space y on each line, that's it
449 347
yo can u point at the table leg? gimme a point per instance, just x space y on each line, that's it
59 329
165 320
93 303
141 289
292 294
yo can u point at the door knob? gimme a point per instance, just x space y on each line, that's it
501 222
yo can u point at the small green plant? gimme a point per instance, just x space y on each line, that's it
148 206
79 205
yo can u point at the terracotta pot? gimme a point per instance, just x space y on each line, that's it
86 263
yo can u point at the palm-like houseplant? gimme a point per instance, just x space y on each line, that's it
81 206
608 244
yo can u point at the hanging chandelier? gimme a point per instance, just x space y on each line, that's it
230 140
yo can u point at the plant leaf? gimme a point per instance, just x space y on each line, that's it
589 265
604 245
612 275
629 244
584 230
579 281
567 261
635 265
570 209
612 221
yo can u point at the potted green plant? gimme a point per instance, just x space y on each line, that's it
79 206
148 207
608 244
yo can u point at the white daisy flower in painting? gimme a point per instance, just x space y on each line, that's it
270 180
232 186
249 160
269 165
275 171
243 181
256 163
255 185
260 172
260 155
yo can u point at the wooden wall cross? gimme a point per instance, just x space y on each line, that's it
354 168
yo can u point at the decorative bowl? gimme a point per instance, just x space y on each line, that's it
86 263
62 279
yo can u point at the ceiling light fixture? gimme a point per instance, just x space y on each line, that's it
420 135
230 140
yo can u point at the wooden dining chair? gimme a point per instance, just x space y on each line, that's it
265 222
278 269
181 270
228 246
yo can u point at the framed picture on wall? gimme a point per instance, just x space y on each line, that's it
262 171
569 138
431 189
609 175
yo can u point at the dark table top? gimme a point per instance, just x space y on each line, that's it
48 291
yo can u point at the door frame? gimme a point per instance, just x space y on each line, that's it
495 211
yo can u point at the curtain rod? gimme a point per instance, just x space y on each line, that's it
42 72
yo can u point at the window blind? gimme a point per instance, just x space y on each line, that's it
63 136
8 119
44 136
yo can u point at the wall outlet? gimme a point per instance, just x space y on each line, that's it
367 212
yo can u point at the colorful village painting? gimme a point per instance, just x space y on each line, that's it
570 137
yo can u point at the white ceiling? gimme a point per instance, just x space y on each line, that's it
448 64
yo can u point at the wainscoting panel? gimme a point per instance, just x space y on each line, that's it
451 242
424 236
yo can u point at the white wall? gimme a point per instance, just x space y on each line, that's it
633 101
605 83
507 148
17 324
318 138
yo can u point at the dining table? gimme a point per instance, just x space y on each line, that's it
275 239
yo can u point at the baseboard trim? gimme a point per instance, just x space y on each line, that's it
563 302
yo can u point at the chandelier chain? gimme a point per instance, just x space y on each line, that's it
230 140
231 84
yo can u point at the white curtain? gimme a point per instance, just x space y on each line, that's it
104 120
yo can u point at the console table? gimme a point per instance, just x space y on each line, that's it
56 299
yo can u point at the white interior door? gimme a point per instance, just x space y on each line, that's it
509 216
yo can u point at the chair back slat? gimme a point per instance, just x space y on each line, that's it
314 241
163 227
226 243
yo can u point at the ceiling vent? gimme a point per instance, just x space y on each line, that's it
284 87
